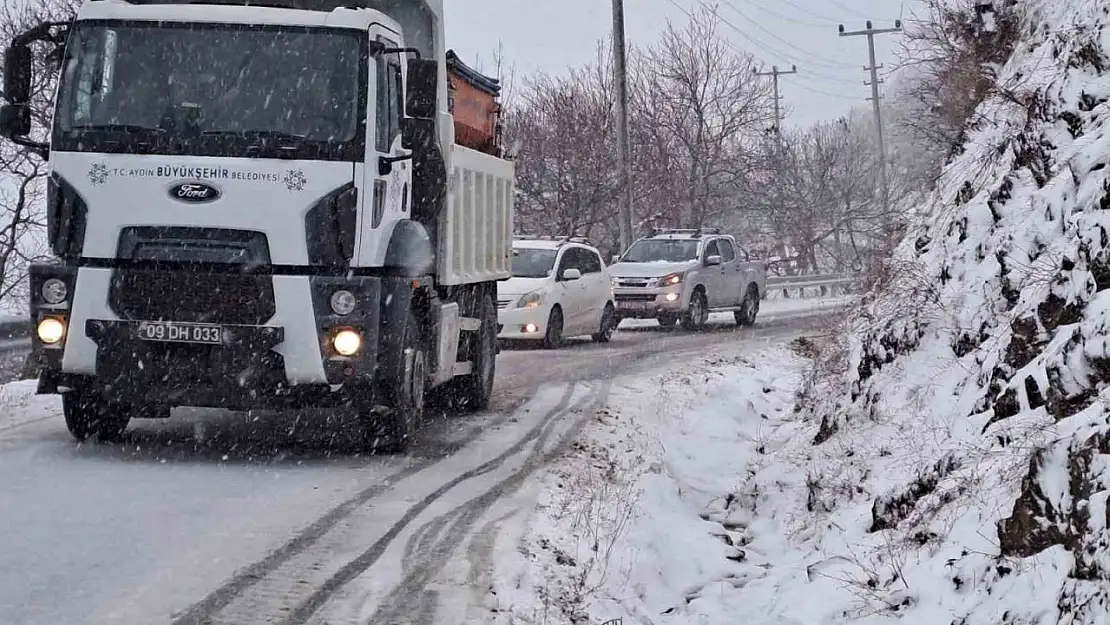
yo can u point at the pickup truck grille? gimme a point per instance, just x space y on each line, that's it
633 282
192 296
635 297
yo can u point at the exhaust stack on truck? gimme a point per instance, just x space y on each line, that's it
261 205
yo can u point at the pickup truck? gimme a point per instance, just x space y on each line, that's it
683 275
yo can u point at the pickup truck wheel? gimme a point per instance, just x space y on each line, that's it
667 321
89 416
553 339
608 325
749 308
697 313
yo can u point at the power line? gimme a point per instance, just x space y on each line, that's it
807 55
786 18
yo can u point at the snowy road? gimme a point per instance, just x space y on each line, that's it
213 517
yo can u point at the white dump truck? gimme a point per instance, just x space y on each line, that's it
258 204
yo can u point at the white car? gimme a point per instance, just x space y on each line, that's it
559 289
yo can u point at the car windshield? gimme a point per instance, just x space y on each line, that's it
207 81
532 263
661 250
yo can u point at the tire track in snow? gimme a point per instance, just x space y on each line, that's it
353 569
201 613
430 559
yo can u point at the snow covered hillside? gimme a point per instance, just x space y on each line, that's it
969 451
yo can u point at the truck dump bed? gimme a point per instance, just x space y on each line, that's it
475 237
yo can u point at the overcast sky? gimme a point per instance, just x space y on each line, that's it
550 36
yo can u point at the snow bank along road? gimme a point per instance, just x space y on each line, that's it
213 517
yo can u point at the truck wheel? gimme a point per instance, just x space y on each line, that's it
667 321
476 389
404 391
749 308
608 325
89 416
553 339
696 313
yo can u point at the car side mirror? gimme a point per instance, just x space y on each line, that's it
423 89
713 260
17 74
615 259
15 120
571 274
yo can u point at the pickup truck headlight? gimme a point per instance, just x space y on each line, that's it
531 300
671 280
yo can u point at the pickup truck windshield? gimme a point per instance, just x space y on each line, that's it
661 250
532 263
212 90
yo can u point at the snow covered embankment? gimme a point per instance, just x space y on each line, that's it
967 457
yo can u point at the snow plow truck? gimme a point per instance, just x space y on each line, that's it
260 204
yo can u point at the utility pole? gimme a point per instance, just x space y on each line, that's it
774 74
624 150
874 69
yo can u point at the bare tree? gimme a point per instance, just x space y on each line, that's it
22 171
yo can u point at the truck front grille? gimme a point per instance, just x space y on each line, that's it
635 297
192 296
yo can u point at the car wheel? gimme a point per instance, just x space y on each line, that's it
697 313
748 310
553 338
608 325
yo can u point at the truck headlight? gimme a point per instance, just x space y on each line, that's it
51 330
343 302
671 280
347 342
54 291
531 300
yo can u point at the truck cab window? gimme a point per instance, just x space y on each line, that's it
390 101
727 254
589 261
711 249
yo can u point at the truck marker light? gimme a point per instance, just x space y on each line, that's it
346 342
54 291
51 330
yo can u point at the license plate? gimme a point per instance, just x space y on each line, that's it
171 332
635 305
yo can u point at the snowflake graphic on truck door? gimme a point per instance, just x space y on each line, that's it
98 173
295 180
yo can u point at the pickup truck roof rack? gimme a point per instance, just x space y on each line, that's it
303 5
693 232
566 239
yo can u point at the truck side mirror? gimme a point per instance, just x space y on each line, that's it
712 261
17 74
15 120
423 88
615 259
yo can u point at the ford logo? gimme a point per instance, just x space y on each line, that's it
194 192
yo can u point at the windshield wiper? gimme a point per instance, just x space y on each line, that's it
255 134
119 128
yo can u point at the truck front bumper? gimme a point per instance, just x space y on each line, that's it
649 303
288 360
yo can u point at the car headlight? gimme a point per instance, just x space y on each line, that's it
671 280
531 300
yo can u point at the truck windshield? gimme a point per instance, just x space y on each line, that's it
661 250
213 90
532 262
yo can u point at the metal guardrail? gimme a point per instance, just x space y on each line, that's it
803 285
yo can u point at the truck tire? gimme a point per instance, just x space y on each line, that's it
404 392
696 313
667 321
553 338
89 416
475 390
749 308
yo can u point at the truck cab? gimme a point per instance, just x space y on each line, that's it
257 205
682 275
